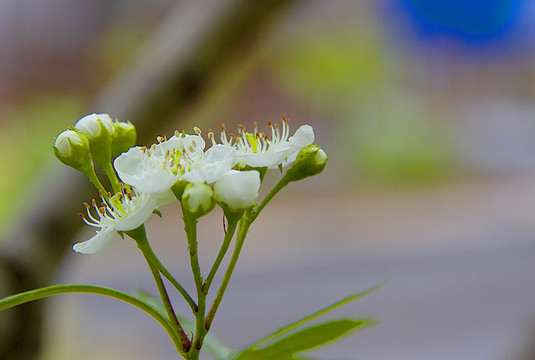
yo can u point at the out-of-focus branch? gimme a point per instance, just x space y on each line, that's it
171 71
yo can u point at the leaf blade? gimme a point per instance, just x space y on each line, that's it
306 339
287 328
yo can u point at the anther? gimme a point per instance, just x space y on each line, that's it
197 131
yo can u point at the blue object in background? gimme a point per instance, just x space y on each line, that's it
480 23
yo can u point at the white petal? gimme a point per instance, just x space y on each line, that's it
219 160
265 159
164 198
96 243
303 136
216 162
136 218
144 173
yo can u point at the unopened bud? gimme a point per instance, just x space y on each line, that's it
310 161
123 138
237 190
92 124
198 199
72 149
98 128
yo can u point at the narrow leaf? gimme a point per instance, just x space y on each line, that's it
41 293
305 339
291 326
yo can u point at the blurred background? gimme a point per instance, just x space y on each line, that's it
426 109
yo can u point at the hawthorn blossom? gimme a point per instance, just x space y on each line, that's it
127 210
156 169
257 149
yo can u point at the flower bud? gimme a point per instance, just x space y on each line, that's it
98 128
237 190
310 161
198 199
93 124
123 138
72 149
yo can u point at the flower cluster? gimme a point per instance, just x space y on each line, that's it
143 178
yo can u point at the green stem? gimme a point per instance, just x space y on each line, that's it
140 236
245 223
168 306
190 226
144 245
28 296
232 224
90 173
110 173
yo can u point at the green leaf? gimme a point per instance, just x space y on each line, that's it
305 339
41 293
211 345
287 328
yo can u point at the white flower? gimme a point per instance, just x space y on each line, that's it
122 212
257 150
209 167
181 157
90 124
237 189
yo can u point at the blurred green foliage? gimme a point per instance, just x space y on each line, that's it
399 143
28 132
330 67
385 139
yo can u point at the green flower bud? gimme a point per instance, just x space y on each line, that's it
123 138
310 161
198 199
72 149
99 129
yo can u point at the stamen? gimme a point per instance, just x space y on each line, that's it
197 131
